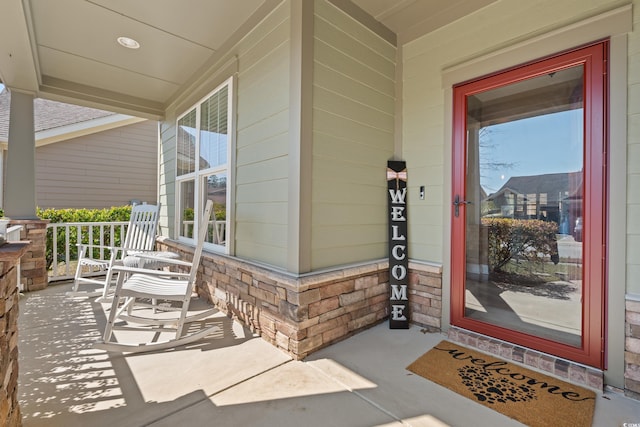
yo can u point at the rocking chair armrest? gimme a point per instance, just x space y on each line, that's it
85 246
163 260
92 246
147 271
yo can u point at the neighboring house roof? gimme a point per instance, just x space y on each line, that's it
555 185
56 121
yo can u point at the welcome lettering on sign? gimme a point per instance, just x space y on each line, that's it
398 258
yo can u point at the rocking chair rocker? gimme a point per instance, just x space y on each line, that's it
138 284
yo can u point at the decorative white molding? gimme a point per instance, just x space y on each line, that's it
569 35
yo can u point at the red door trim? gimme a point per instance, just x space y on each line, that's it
593 58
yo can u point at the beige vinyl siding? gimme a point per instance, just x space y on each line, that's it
100 170
633 159
167 187
261 60
262 141
425 107
353 132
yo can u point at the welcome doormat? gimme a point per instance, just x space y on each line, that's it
532 398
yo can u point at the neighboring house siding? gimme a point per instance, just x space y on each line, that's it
353 134
262 104
99 170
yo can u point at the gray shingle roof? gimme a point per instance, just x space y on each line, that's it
555 185
49 114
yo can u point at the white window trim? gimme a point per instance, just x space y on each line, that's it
198 176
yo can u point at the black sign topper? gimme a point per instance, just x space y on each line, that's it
398 258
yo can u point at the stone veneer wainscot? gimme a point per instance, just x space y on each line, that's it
301 314
632 347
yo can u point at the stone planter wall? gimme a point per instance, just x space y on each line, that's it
303 314
9 298
33 265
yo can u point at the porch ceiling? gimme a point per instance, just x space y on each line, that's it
66 50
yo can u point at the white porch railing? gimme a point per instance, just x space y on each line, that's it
13 235
63 245
215 233
62 240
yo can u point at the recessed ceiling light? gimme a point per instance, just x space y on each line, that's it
128 42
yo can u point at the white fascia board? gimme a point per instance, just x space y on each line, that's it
76 130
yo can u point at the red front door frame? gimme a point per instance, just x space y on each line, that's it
594 60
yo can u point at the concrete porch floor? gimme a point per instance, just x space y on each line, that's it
235 378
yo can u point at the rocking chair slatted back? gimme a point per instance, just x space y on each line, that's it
141 231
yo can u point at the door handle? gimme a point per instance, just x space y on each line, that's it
457 202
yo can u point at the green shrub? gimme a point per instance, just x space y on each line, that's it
531 239
119 213
219 210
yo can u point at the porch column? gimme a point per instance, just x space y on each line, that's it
20 185
477 238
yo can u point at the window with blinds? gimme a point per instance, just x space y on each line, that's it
203 157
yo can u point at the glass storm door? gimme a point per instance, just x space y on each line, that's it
528 205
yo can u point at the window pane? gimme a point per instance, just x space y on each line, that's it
216 186
202 141
524 226
213 132
186 142
186 212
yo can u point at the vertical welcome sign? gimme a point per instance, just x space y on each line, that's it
398 258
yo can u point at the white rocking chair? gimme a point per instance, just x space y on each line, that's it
139 237
145 284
